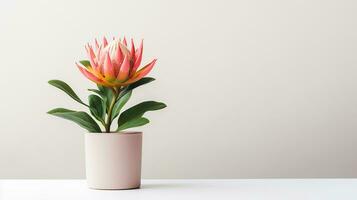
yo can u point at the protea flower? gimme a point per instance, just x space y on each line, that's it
112 64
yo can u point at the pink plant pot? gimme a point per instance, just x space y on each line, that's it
113 160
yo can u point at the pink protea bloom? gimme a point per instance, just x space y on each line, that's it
112 64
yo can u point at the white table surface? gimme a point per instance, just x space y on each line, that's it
246 189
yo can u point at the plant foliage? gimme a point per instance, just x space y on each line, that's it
105 105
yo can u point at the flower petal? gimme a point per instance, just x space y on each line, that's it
108 68
119 54
118 58
105 41
89 75
100 58
132 51
91 55
138 57
124 42
96 43
124 69
124 49
142 72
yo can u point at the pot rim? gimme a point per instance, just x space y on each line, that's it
120 133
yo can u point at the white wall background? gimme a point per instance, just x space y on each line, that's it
254 88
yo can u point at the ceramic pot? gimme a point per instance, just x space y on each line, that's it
113 160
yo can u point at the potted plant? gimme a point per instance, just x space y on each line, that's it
113 156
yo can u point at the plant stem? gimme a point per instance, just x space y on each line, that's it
110 110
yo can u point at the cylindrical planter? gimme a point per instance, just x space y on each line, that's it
113 160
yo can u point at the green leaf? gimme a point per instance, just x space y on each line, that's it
106 93
81 118
97 92
67 89
120 104
136 84
97 107
138 111
85 63
133 123
140 82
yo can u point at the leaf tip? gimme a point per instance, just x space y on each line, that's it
51 81
161 105
50 111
